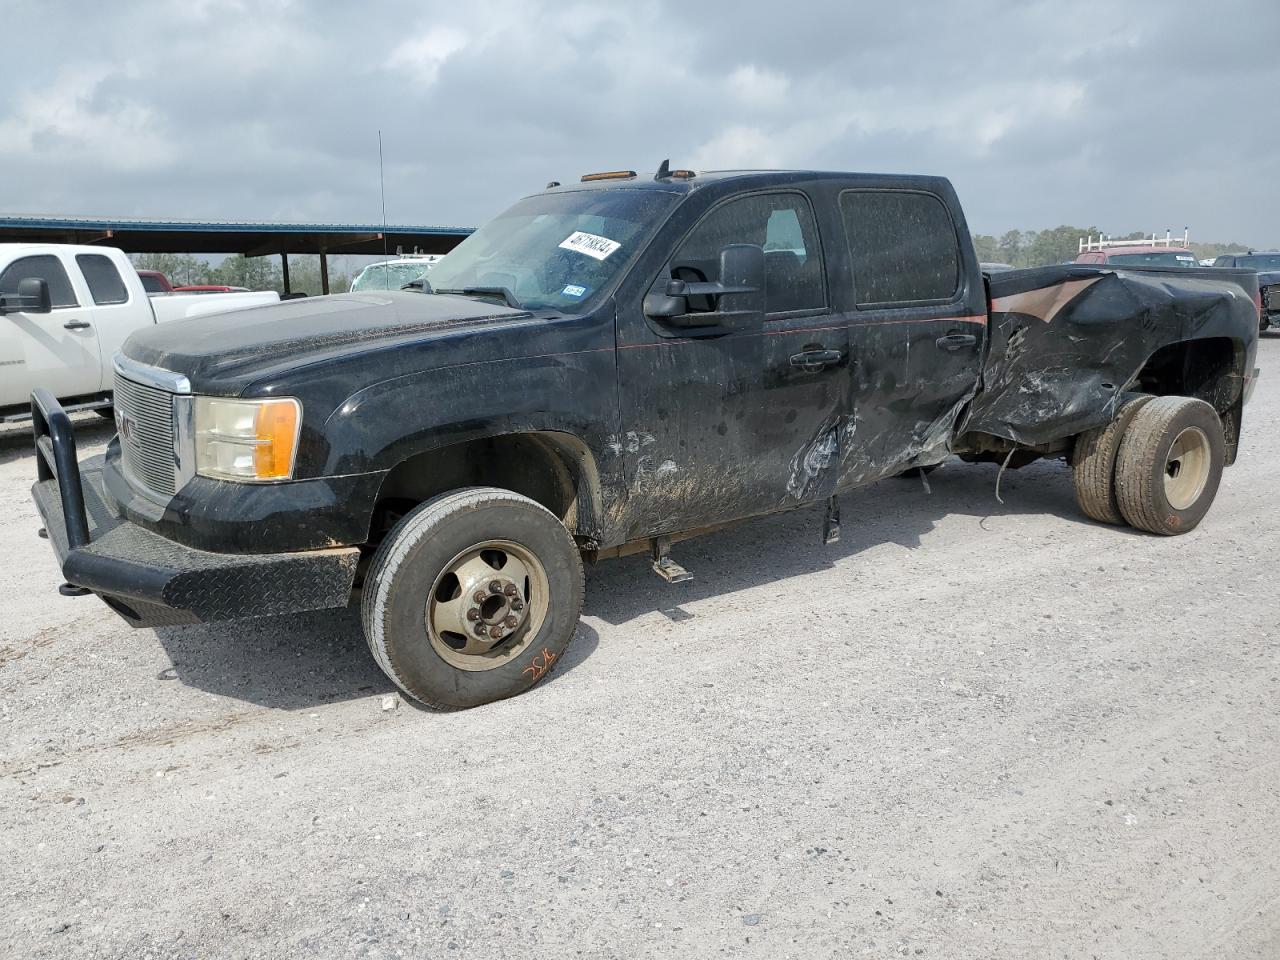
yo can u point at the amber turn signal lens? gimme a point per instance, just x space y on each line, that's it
277 429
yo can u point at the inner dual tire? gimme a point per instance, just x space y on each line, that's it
472 597
1156 466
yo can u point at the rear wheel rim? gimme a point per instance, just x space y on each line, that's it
1186 468
487 605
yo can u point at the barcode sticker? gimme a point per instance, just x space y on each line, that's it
597 248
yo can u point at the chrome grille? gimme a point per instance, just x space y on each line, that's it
144 417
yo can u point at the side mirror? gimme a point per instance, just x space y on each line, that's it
32 297
739 293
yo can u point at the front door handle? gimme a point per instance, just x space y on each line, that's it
76 325
812 360
955 341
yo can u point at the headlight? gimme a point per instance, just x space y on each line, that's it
250 440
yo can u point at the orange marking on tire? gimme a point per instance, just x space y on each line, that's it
538 670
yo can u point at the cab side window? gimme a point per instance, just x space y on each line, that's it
903 247
44 267
781 223
105 285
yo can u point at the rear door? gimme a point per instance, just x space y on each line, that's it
56 350
119 308
917 327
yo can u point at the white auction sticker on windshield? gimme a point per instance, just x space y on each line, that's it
597 247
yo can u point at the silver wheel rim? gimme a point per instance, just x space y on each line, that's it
1186 468
487 605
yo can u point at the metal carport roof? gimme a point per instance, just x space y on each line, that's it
231 236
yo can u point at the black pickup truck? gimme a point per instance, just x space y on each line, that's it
610 367
1267 264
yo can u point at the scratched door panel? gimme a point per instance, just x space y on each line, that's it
690 447
735 424
917 312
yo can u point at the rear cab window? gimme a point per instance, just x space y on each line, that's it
903 247
1153 259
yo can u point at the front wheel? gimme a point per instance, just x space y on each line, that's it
472 597
1169 465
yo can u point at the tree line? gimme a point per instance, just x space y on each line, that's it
1038 248
255 273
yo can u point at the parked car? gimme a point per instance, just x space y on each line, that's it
1267 264
154 282
66 311
394 274
1140 255
606 369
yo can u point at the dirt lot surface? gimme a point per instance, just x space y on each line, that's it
968 730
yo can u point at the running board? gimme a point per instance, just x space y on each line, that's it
831 522
663 565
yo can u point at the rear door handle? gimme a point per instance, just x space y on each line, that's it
77 325
816 359
955 341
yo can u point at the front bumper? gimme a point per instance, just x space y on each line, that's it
151 580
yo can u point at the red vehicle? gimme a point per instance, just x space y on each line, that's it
1156 252
153 281
209 288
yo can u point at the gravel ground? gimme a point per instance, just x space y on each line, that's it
968 730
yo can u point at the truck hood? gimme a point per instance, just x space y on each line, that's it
220 354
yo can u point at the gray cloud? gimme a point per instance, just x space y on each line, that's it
1140 116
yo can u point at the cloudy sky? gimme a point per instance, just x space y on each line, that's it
1132 116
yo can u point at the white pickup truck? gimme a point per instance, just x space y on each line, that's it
64 312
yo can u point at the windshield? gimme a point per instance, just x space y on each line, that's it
387 276
1161 259
1260 262
554 251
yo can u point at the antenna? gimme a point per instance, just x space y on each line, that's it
382 186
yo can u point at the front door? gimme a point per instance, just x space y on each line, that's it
725 426
56 350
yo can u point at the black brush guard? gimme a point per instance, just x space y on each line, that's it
151 580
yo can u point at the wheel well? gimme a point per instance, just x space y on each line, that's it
554 469
1211 369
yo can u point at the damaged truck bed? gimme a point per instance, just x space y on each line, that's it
609 367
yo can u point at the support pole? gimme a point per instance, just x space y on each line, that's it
324 272
284 271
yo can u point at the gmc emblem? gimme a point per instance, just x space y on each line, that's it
127 427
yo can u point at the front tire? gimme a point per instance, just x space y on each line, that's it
472 598
1169 465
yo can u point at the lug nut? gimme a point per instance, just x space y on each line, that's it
479 596
473 614
517 605
495 586
509 589
495 632
511 622
481 629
